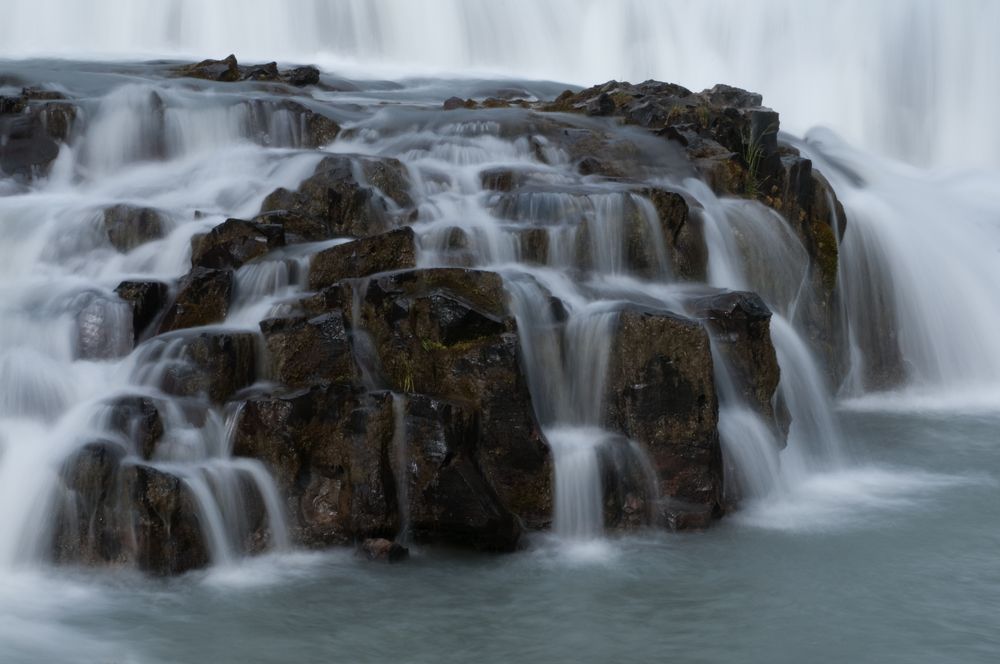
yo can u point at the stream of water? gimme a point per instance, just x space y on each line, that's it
870 537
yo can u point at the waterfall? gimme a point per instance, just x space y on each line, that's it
903 77
918 269
577 251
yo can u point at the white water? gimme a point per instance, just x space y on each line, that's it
59 309
220 162
906 78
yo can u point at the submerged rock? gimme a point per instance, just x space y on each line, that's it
382 550
128 227
32 126
138 421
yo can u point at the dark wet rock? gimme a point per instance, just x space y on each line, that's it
118 513
333 451
381 550
449 499
138 421
229 70
740 323
226 70
453 103
88 528
147 300
629 485
265 72
328 449
297 227
30 134
203 298
732 142
336 198
235 242
684 515
168 535
661 393
808 202
305 351
302 76
309 128
447 333
683 233
213 364
128 226
395 250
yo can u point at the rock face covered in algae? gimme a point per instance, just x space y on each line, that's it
390 396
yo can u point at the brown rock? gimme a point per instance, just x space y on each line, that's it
306 351
147 299
203 299
395 250
127 226
661 393
233 243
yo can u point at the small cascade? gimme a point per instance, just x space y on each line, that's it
401 452
751 450
362 346
752 248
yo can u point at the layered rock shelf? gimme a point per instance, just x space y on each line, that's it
390 398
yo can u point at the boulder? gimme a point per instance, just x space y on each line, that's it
235 242
381 550
167 534
118 513
211 364
32 129
683 234
88 528
301 76
306 351
328 449
203 298
395 250
229 70
446 333
740 324
128 226
225 70
137 420
297 227
448 499
147 300
629 485
335 198
661 393
347 471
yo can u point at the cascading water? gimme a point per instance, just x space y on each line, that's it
581 252
910 55
62 312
